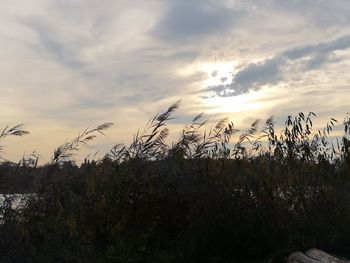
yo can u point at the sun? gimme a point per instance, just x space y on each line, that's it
234 104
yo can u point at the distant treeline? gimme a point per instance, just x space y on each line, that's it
205 198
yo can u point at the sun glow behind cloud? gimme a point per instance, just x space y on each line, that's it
236 104
221 73
216 72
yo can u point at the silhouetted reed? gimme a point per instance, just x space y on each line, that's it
217 195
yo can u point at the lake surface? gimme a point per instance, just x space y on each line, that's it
17 201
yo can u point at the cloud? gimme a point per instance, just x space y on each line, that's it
70 64
322 48
319 60
53 47
183 56
270 71
258 74
320 13
189 20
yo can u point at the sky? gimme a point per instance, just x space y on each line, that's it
68 65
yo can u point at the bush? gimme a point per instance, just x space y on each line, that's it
203 199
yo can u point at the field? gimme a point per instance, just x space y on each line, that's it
221 196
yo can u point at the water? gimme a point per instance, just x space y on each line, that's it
17 202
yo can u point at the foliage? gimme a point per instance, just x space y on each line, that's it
216 196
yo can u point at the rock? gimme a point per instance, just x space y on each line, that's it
314 256
299 257
323 256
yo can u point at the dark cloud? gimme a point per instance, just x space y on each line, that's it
258 74
322 48
189 20
224 79
319 60
270 71
319 13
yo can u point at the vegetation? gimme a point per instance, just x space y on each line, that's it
219 196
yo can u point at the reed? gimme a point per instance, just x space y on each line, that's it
216 195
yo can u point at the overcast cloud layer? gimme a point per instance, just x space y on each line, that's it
66 65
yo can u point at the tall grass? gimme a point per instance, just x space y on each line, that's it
11 131
217 195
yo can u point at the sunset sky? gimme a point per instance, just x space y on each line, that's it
67 65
